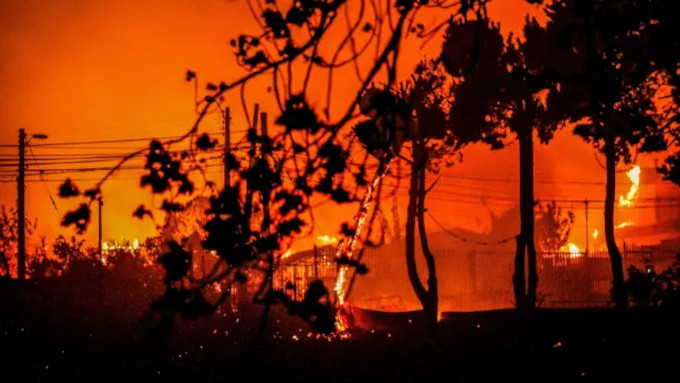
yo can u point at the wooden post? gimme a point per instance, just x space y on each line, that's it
587 232
100 203
21 207
227 146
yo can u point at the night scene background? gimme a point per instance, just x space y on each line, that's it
340 190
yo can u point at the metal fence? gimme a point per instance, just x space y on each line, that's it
475 280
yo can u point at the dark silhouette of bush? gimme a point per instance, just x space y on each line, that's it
646 288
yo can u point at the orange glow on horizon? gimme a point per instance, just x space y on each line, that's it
115 70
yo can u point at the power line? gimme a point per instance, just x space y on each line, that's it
463 239
122 140
49 193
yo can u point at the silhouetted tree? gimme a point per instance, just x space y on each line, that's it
40 264
596 52
414 113
663 52
646 288
68 250
552 227
9 237
255 217
502 91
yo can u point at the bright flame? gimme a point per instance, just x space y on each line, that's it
596 233
574 251
349 246
624 224
324 240
339 286
287 254
115 245
634 177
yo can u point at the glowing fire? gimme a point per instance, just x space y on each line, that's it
574 251
325 240
339 286
624 224
350 245
115 245
596 233
634 177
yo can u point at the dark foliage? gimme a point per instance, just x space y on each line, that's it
315 307
68 189
141 212
204 142
165 171
298 115
552 227
646 288
79 218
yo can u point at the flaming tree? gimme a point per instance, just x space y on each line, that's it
414 113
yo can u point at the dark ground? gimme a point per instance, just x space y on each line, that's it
52 331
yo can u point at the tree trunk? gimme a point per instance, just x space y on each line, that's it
525 294
5 264
518 278
618 288
428 298
431 304
411 234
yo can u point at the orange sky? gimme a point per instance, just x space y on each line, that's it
82 70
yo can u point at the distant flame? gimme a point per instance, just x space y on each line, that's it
115 245
596 233
634 177
324 240
574 251
624 224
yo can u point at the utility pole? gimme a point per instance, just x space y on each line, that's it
587 231
21 201
227 146
99 216
21 207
